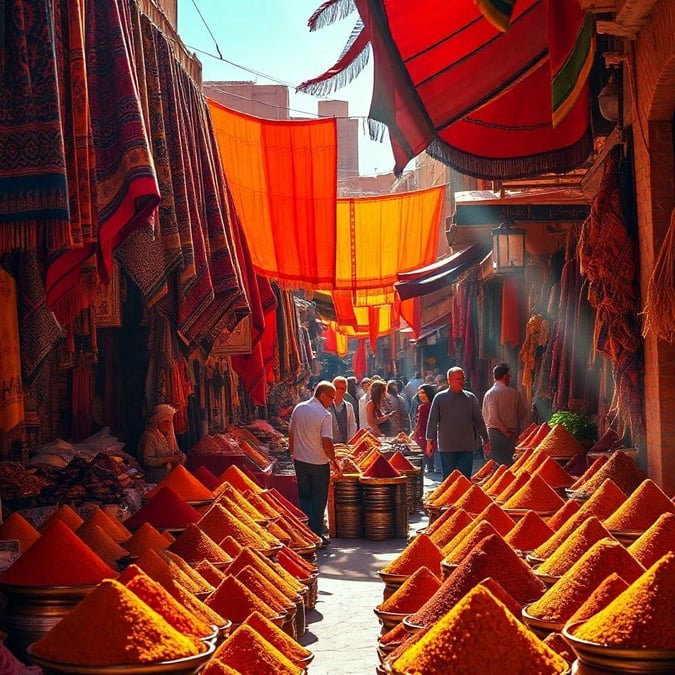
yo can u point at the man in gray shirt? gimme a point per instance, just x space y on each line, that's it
455 419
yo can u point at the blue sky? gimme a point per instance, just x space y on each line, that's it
271 37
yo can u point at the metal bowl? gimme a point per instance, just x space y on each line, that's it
619 659
186 665
626 537
540 627
548 579
47 593
393 578
533 560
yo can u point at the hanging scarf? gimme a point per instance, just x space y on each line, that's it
11 391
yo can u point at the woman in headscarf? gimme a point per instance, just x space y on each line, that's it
158 449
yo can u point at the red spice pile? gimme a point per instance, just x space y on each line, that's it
560 646
58 558
655 542
421 552
500 484
381 468
485 471
205 477
528 533
195 545
474 500
464 542
401 463
533 463
521 459
554 474
641 510
563 514
497 517
537 436
444 485
537 495
590 471
17 527
165 510
101 544
109 524
573 588
498 473
412 593
210 572
183 483
235 602
145 537
622 469
66 515
450 528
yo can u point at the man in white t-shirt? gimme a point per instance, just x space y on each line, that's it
310 441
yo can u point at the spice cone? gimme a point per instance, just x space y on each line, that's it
538 436
17 527
467 540
498 518
500 484
380 468
610 588
264 589
238 480
474 500
195 605
217 667
579 541
231 546
494 478
176 563
248 652
101 544
183 483
210 572
205 477
621 469
166 509
273 572
446 649
401 463
144 538
450 528
235 602
71 561
641 510
521 459
262 506
528 533
218 522
642 616
537 495
559 442
484 471
553 474
66 515
229 495
452 493
571 590
113 627
412 593
655 542
158 569
560 646
519 481
194 545
563 514
444 485
275 636
590 471
421 552
110 525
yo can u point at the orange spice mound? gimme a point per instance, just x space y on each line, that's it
395 636
229 495
443 515
366 459
381 468
560 646
66 515
194 605
166 509
101 544
275 636
537 495
70 561
642 616
655 542
401 463
559 442
537 436
518 482
474 500
158 569
485 471
526 432
175 614
238 480
421 552
109 524
642 508
450 528
610 588
248 652
553 474
194 545
497 517
294 564
205 477
217 667
528 533
282 532
571 590
264 589
603 502
533 463
263 507
145 537
563 514
412 593
275 574
218 522
622 469
583 537
521 459
497 474
591 471
210 572
235 602
479 615
112 626
17 527
444 485
231 546
467 539
453 492
175 562
183 483
500 484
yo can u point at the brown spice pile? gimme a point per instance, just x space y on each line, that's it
450 645
412 593
642 616
264 589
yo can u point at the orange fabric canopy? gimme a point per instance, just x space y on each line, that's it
283 177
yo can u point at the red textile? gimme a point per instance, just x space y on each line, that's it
360 360
512 291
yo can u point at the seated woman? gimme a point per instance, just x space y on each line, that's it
158 449
378 420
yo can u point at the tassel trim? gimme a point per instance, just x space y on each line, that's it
330 12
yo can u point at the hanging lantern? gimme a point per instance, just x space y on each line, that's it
508 248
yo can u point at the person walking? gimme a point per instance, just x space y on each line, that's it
455 419
505 415
426 394
395 403
342 411
310 441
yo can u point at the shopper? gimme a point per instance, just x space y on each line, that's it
310 441
377 416
363 400
400 419
454 420
158 449
425 393
342 412
505 415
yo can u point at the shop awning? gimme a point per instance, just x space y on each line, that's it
439 274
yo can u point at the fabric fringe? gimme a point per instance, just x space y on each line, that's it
351 62
78 297
376 130
330 12
489 168
46 235
659 311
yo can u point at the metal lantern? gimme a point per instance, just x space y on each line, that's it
508 248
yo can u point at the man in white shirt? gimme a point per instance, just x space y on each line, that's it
344 418
363 416
310 441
